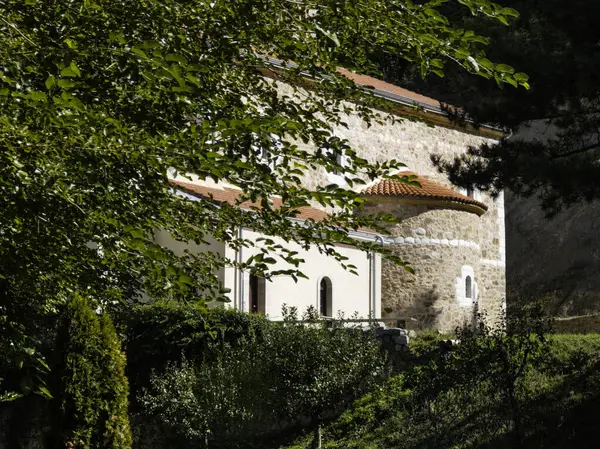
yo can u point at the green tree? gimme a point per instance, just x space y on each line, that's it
556 45
264 384
100 101
93 387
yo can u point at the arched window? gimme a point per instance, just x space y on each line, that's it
325 297
257 295
468 287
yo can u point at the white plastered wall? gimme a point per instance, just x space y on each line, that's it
350 293
225 274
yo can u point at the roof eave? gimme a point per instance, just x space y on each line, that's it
443 203
405 107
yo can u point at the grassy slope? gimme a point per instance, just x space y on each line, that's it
559 402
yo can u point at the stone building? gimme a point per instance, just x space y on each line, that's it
453 238
442 233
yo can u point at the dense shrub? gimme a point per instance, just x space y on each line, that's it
93 389
260 385
158 334
462 398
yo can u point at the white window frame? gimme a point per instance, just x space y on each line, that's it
337 177
329 296
461 290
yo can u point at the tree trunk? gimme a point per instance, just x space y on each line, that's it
317 441
516 414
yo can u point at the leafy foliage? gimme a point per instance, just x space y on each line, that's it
93 387
556 45
263 385
555 391
159 334
100 102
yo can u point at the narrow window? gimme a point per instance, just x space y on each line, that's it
337 156
468 288
339 159
470 192
257 295
325 293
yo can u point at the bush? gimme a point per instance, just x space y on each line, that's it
158 334
263 384
521 388
93 388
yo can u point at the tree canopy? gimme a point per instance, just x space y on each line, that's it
101 101
556 45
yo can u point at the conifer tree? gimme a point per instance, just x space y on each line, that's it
93 387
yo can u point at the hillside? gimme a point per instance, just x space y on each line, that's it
556 407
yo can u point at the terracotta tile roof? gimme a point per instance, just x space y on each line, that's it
230 196
368 81
435 111
429 190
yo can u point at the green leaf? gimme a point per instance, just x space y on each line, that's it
75 69
137 233
486 63
185 279
433 13
38 96
510 12
138 51
521 77
71 43
504 68
332 36
68 72
50 81
462 53
66 84
44 392
116 36
177 58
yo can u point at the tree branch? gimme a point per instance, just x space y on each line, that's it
578 151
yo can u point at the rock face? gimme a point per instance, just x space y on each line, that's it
559 257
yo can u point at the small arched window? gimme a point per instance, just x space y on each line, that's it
468 287
257 294
325 297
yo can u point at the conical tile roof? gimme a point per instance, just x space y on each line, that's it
428 189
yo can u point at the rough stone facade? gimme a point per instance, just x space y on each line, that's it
444 245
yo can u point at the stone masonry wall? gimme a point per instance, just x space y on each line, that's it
413 143
492 292
441 245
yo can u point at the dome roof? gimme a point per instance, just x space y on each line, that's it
429 190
